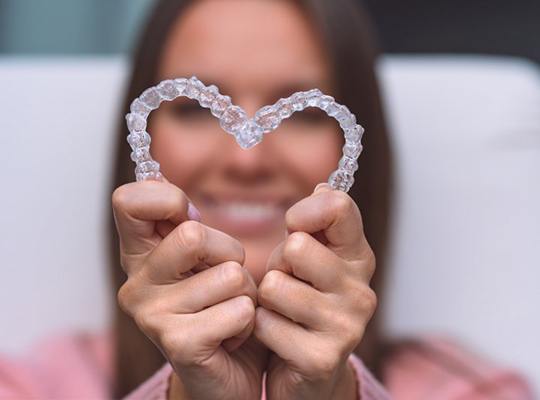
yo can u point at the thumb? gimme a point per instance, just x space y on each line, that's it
166 226
192 212
322 187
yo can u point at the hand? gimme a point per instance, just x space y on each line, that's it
315 300
189 293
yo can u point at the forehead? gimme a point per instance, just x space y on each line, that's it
242 44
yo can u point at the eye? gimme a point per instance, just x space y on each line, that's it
310 115
188 110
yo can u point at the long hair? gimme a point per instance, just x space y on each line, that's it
348 40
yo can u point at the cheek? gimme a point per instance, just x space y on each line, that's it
182 152
311 156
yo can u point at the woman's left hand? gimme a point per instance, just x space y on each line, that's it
315 300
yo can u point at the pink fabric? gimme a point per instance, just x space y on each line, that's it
79 366
437 368
73 366
156 387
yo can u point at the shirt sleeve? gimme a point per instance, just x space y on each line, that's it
155 388
439 367
504 384
59 366
20 380
368 387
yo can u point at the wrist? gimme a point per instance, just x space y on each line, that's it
347 385
176 388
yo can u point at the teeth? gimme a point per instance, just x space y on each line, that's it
250 210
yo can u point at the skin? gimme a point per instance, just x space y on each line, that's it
285 290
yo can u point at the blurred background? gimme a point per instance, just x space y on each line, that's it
461 81
68 27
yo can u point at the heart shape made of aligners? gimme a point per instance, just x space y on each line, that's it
233 119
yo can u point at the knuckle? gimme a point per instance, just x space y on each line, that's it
190 235
365 264
370 269
147 321
120 196
245 309
367 300
177 197
340 202
295 245
371 259
239 250
371 300
269 285
371 255
290 216
351 334
126 297
173 198
233 275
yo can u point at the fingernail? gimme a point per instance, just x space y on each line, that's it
320 187
193 213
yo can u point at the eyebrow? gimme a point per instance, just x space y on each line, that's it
286 89
283 89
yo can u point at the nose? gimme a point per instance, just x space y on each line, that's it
253 165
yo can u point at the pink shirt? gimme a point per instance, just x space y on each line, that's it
79 366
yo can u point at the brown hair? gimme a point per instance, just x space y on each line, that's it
347 36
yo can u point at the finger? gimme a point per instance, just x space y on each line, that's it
306 258
193 339
138 205
166 227
187 246
287 339
163 228
221 282
235 342
228 319
335 214
295 300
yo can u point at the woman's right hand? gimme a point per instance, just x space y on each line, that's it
202 321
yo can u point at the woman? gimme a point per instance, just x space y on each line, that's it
280 303
258 52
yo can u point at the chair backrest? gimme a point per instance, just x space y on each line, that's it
464 253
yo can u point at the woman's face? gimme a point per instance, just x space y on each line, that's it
255 52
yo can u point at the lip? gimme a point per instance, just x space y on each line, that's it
244 213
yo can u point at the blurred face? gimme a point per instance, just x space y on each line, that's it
255 52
